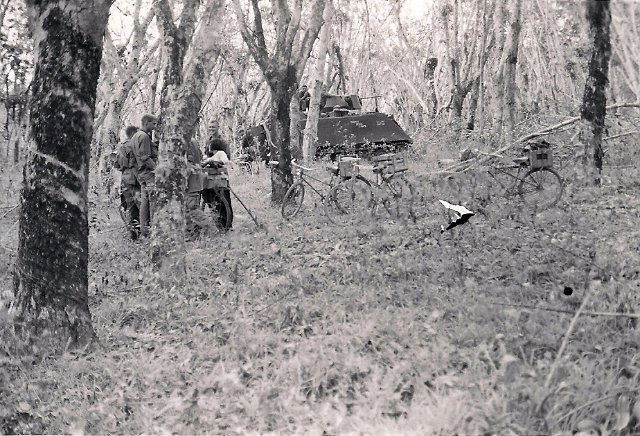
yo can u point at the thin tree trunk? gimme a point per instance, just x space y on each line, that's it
313 112
429 75
594 101
498 97
279 126
295 116
168 251
510 70
51 275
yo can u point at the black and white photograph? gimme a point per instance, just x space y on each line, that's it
320 217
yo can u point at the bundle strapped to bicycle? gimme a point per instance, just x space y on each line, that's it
540 155
390 163
208 178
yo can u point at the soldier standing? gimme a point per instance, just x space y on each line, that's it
146 160
129 186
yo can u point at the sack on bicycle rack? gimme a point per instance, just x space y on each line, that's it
540 156
389 163
347 167
216 178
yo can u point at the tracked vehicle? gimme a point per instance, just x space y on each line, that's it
344 129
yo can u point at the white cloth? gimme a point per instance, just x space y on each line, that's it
219 156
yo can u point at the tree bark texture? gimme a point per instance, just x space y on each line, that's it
594 101
51 275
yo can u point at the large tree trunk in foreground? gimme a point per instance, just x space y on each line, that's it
594 101
51 276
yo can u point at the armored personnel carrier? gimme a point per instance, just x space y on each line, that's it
343 128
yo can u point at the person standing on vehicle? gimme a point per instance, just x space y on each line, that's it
146 156
129 186
304 97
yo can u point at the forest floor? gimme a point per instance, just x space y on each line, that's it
387 328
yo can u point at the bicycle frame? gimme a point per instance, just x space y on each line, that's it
509 190
304 178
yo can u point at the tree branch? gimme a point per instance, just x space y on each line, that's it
571 312
550 129
310 35
257 50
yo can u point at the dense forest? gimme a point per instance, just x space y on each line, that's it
512 320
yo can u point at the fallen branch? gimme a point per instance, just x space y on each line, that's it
255 220
609 138
465 165
550 129
571 312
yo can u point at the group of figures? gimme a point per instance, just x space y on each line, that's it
137 157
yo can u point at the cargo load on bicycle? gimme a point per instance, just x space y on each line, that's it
212 182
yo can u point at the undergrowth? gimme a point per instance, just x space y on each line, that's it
387 328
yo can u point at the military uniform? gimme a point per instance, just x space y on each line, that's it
129 187
146 156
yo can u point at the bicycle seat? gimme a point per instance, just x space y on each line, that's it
520 160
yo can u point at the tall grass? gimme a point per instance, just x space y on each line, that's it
386 328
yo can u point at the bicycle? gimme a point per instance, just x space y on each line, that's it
294 196
531 178
390 189
212 183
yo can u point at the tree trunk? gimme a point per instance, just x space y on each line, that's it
429 75
473 104
313 112
295 115
594 101
279 131
182 97
511 61
498 97
51 275
281 70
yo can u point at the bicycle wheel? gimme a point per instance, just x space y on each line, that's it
541 188
215 202
398 197
349 202
292 202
